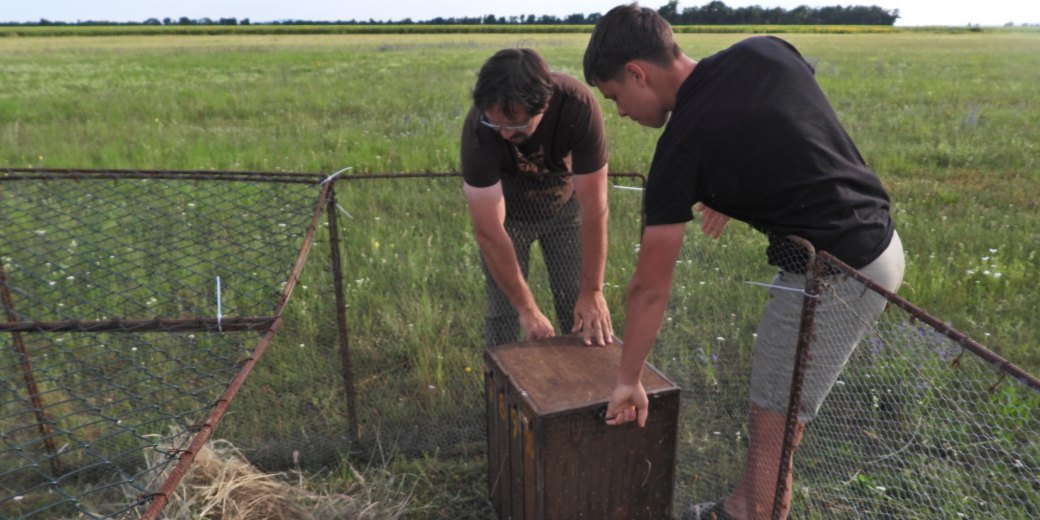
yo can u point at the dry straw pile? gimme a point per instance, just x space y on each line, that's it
222 484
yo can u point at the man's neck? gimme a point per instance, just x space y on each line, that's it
685 66
675 76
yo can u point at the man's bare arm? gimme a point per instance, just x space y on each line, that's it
487 210
591 315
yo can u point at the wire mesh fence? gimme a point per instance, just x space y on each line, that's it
921 422
103 401
133 301
916 426
415 305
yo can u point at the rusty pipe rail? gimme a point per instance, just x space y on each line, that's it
63 174
250 323
994 359
43 422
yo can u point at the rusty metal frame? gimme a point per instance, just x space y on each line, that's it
806 336
994 359
431 175
62 174
268 325
43 422
186 456
819 264
231 324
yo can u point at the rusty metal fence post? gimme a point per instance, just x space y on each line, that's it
341 316
806 335
24 359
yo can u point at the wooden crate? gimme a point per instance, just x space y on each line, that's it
550 455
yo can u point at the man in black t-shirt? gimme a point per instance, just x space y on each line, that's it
750 135
534 162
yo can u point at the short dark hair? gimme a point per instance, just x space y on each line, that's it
626 33
513 78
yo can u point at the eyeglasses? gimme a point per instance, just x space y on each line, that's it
499 128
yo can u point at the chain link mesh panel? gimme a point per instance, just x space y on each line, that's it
118 338
909 403
78 246
102 401
921 422
415 308
705 346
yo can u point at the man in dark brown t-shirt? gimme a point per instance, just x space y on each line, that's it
534 162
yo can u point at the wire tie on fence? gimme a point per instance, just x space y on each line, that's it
176 453
782 288
333 176
993 387
219 327
148 497
957 360
345 212
632 188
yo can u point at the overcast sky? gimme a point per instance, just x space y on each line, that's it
912 12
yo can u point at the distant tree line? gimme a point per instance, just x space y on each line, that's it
184 20
718 13
712 13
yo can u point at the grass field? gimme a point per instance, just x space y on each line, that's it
947 119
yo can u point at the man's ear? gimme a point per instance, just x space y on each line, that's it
636 71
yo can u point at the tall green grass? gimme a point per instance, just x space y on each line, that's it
947 120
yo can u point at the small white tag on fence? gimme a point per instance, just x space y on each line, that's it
219 327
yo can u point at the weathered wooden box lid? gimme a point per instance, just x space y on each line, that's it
561 374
